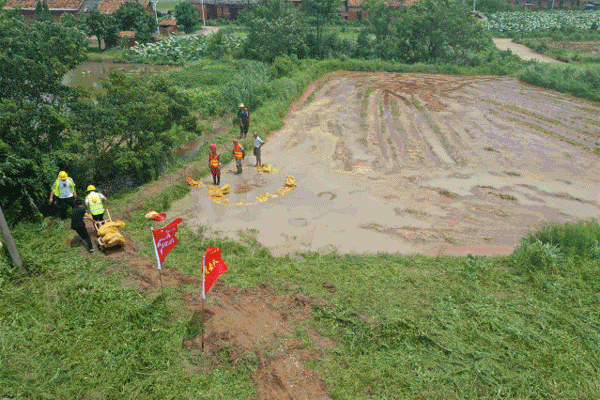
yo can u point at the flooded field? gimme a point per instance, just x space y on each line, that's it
412 163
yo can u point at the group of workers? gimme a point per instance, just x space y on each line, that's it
64 195
239 153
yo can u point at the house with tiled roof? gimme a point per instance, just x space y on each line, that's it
76 7
110 6
57 7
167 26
227 9
352 9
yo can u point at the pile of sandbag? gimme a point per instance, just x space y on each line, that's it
290 183
193 182
266 168
110 235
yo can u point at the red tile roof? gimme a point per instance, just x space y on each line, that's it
167 22
127 34
391 3
52 4
110 6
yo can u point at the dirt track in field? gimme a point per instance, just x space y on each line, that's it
410 163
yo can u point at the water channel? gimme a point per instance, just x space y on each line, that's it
89 75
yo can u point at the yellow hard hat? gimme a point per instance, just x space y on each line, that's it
63 175
91 187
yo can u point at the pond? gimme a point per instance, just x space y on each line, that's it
89 75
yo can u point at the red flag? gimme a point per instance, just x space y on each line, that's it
165 240
214 266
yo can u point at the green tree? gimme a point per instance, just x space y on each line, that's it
34 139
42 12
274 31
319 12
444 31
132 16
381 18
71 21
187 15
95 24
125 132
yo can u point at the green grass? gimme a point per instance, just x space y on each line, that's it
405 327
582 81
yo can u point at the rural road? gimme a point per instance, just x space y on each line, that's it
522 51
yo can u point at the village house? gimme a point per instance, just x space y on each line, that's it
167 26
75 7
57 7
222 9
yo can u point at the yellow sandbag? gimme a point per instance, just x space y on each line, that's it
193 182
219 200
264 197
283 190
117 238
216 192
290 182
110 226
266 168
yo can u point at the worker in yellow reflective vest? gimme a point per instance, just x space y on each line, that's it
239 153
96 203
214 162
64 192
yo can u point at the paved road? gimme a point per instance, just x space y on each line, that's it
522 51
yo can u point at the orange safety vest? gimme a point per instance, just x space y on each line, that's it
214 159
237 151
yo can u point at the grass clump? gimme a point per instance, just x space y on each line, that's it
581 81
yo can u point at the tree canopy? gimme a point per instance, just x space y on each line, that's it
187 15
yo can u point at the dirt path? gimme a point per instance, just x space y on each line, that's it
522 51
409 163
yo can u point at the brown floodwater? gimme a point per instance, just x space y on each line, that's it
89 75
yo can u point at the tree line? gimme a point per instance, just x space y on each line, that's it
128 133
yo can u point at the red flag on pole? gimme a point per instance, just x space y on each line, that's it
165 240
213 266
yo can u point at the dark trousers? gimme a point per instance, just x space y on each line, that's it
244 130
62 205
98 217
83 233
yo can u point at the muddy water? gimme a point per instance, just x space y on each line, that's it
89 75
412 163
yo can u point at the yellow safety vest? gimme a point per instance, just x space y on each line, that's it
56 188
95 203
237 151
214 159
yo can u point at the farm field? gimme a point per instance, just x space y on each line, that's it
410 163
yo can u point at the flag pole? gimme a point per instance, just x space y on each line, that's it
157 257
203 297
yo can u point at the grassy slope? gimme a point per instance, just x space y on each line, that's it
405 327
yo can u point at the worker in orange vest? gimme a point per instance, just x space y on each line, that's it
214 162
239 153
